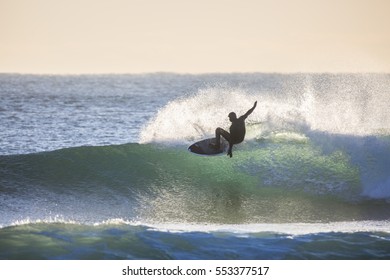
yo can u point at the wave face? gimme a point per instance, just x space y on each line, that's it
283 178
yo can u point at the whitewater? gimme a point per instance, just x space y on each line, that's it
97 167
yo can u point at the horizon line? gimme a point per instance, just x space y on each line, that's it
187 73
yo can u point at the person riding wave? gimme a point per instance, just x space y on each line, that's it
237 131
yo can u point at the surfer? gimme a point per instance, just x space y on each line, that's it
237 131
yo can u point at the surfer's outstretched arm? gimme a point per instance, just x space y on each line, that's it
250 110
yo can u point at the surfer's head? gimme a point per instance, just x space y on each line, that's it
232 116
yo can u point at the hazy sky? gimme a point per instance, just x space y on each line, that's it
194 36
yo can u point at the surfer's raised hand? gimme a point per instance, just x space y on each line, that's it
250 111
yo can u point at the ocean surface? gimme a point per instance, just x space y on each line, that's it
97 167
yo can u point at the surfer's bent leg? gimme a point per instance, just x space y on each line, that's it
218 132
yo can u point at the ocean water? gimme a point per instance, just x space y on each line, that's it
97 167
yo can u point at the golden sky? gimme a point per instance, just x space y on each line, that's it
194 36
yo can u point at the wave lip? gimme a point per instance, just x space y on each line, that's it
311 111
287 228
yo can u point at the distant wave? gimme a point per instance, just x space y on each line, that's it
355 240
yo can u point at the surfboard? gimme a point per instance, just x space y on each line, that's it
203 147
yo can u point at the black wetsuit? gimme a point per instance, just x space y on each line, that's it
237 130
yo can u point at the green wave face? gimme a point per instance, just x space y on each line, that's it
275 179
